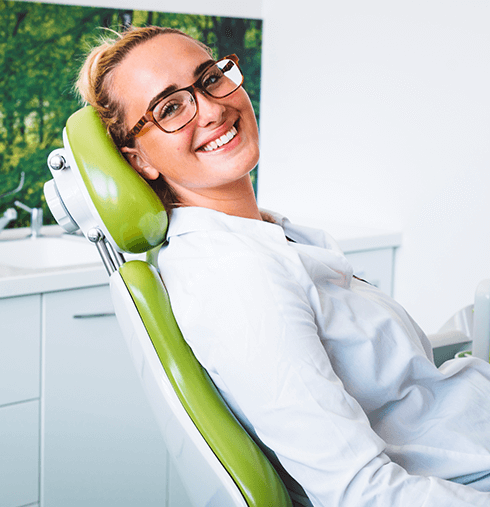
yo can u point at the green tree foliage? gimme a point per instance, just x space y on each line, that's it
41 49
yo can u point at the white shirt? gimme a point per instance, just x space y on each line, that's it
328 371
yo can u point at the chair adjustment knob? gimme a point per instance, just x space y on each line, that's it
95 235
57 162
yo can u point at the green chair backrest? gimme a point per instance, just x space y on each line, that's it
241 457
136 221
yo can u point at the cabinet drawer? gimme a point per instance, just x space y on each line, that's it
19 451
20 344
374 266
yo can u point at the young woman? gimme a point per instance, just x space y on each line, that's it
329 373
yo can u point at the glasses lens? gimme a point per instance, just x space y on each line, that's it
222 78
174 111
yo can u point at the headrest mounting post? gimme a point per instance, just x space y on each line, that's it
111 259
117 257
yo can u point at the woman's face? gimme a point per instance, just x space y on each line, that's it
172 60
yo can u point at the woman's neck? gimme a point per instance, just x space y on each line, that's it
237 198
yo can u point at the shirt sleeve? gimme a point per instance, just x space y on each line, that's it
250 324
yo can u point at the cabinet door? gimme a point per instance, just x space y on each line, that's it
20 359
102 446
20 342
19 454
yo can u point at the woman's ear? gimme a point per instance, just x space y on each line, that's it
138 162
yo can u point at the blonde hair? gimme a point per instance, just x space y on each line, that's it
94 85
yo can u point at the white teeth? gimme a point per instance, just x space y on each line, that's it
224 139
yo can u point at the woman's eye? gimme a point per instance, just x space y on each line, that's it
212 79
167 110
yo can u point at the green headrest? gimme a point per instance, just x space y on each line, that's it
130 210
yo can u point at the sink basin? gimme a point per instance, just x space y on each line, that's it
47 252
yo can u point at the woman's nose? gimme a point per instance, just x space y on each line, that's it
209 109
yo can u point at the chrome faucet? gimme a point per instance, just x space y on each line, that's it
36 218
11 213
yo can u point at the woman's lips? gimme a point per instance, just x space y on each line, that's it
220 141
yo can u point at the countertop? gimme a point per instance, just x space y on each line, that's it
15 281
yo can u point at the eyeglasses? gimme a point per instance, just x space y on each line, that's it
174 111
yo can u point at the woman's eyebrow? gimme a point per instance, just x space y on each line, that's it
173 87
201 67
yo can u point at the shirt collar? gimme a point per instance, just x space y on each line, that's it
193 219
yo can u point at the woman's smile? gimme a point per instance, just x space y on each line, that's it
220 141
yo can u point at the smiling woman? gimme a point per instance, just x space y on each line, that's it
182 120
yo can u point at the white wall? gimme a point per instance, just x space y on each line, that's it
377 113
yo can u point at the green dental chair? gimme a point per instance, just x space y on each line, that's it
94 189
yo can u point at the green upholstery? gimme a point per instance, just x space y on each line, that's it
137 222
114 186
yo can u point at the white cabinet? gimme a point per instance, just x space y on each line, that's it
102 446
19 400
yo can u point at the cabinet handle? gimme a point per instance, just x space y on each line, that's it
93 315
